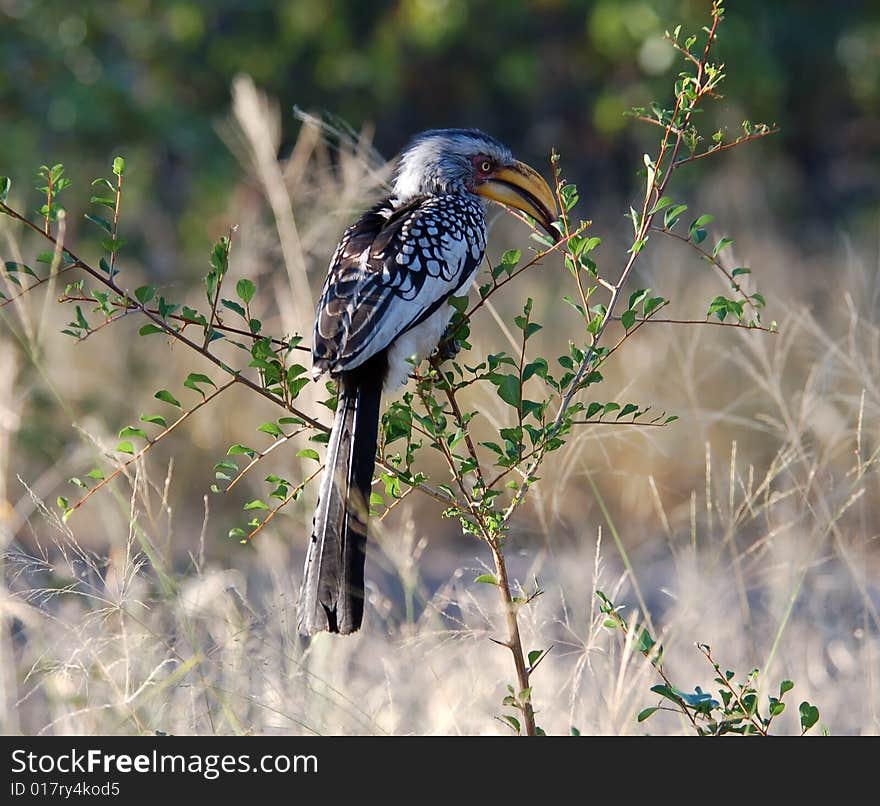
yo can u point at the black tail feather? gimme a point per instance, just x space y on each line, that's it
332 593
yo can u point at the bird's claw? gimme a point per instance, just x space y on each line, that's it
449 347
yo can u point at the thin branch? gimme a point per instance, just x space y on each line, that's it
221 276
750 715
150 443
40 281
218 325
246 469
649 424
715 322
709 258
433 492
396 502
158 321
514 641
536 260
746 138
293 493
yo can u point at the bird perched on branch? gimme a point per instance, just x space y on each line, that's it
384 301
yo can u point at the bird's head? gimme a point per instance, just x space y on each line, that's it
443 161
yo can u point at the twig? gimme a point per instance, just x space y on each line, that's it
157 320
715 322
709 258
750 715
293 493
746 138
126 305
514 641
260 456
150 443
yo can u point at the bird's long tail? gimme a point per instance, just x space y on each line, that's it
332 593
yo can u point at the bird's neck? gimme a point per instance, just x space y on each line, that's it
402 195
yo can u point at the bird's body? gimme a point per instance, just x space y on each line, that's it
385 302
394 271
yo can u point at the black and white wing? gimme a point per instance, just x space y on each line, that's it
392 269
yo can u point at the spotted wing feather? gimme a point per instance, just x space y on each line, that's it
392 269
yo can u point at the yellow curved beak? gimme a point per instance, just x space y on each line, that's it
522 187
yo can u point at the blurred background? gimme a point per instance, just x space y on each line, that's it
751 523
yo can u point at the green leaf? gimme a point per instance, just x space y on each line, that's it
240 450
512 721
255 504
593 409
80 319
271 428
5 185
130 431
629 408
637 297
147 330
145 293
809 715
776 708
103 223
245 289
740 270
696 233
487 579
652 304
510 258
671 216
537 367
508 389
309 453
628 319
96 473
667 692
125 447
164 394
195 378
645 713
662 203
534 655
785 686
570 196
118 166
226 465
154 419
233 306
722 244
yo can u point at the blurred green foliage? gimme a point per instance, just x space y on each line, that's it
150 78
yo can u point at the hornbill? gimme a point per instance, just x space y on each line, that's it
384 301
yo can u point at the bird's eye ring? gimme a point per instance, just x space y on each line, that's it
485 166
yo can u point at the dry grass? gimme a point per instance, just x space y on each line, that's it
750 524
